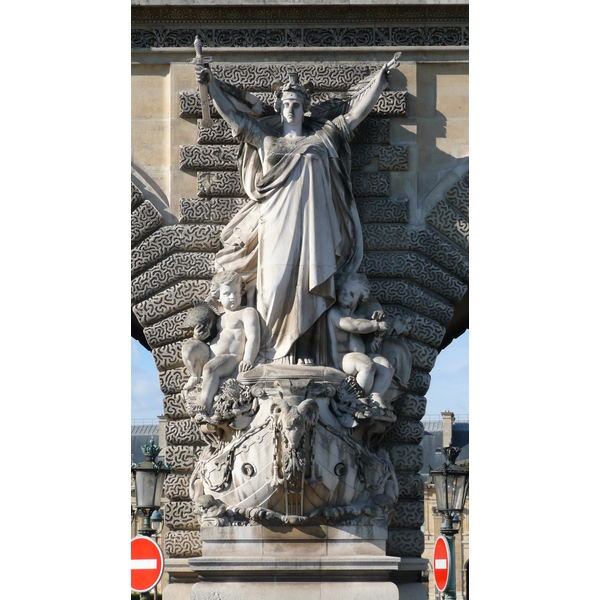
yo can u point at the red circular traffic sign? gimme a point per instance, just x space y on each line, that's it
147 564
441 564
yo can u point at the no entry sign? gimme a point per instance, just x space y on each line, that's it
147 564
441 563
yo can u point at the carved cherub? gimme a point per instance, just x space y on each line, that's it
235 346
346 346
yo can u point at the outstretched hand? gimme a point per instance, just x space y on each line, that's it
244 366
203 74
385 77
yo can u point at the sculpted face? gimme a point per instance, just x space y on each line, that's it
291 107
349 294
230 296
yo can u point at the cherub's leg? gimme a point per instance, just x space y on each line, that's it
194 354
383 378
384 372
362 367
214 369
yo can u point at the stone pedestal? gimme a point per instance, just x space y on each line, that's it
301 563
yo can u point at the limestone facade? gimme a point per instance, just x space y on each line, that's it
410 180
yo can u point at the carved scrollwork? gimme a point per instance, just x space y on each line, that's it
406 457
208 157
451 223
408 514
172 380
181 458
320 37
176 486
181 516
405 542
184 431
371 184
166 331
136 196
144 219
390 158
183 544
404 431
410 485
220 183
400 291
415 267
174 268
174 406
168 356
174 298
209 210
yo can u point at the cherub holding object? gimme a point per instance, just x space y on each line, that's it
235 346
347 348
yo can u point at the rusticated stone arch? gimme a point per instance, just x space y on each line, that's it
418 270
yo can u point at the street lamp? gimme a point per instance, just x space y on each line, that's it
149 478
451 484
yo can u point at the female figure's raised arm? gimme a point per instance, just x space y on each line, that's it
225 107
366 103
240 122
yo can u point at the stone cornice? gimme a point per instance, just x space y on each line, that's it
295 15
300 26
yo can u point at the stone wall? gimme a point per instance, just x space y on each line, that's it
410 179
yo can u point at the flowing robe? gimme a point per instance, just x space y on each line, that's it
299 229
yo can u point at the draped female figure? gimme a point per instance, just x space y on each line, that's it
301 226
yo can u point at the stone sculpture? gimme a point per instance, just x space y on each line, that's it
373 373
294 393
234 347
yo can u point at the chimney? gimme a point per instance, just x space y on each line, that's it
447 422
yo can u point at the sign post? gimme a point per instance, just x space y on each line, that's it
443 566
147 564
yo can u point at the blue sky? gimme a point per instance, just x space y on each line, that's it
449 388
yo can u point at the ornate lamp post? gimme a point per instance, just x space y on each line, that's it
149 478
451 484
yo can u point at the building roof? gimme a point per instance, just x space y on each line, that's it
432 443
141 435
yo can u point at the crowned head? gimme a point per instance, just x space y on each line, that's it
293 89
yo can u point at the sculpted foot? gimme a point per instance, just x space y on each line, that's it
205 405
377 400
305 361
192 381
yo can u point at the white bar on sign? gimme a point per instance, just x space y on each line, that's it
440 563
143 563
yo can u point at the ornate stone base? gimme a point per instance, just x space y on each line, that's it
301 563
